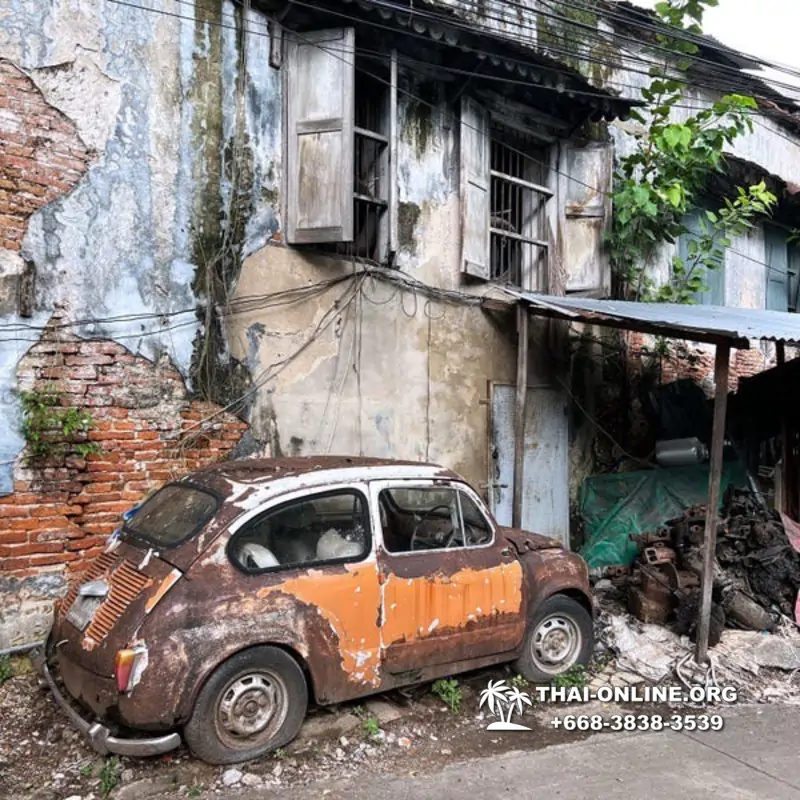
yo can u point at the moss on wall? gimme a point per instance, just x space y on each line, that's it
407 218
223 204
418 121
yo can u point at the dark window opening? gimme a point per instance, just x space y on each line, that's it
518 196
371 179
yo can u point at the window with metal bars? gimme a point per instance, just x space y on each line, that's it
371 163
518 253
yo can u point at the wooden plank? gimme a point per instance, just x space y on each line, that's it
519 414
534 187
371 135
721 367
517 237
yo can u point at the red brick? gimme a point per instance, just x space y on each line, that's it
52 558
86 542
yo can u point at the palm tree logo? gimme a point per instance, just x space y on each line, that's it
498 695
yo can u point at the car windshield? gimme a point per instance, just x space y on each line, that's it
172 514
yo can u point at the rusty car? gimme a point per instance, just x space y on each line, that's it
232 598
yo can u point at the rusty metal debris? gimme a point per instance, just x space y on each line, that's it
756 572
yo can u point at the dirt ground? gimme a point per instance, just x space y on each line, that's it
41 757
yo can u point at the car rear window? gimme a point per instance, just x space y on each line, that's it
172 515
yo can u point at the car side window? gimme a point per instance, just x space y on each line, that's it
430 518
320 529
477 529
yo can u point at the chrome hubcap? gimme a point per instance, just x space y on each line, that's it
249 704
555 644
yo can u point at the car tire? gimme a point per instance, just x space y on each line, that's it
253 703
560 635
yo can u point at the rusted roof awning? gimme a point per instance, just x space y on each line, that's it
713 324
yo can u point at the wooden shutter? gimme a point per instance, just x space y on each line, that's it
587 216
777 270
319 127
475 189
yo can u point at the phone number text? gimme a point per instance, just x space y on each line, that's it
639 722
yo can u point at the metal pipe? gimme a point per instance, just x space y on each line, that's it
20 648
519 421
721 366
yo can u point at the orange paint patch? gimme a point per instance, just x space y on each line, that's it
415 608
350 603
165 586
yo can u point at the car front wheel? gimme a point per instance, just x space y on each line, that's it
559 637
253 703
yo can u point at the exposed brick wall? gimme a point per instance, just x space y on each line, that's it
62 509
696 362
41 153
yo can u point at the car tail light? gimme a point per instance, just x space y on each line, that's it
128 667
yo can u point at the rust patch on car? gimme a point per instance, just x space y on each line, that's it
416 607
349 601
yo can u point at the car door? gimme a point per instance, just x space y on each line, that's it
451 588
311 556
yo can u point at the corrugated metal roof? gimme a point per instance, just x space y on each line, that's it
695 323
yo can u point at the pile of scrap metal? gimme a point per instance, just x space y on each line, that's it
756 573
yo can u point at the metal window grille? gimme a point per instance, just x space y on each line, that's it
518 254
371 196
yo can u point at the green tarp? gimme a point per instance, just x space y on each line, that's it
615 506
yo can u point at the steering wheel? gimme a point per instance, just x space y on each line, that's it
451 534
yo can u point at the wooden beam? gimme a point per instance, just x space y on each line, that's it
721 367
519 415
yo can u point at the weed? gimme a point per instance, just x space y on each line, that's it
6 669
109 776
279 754
52 430
574 676
195 791
449 693
370 726
360 711
518 682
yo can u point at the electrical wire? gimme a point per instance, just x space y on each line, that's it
124 318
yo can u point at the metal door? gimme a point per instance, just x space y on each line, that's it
545 494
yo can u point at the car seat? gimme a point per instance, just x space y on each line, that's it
256 556
333 545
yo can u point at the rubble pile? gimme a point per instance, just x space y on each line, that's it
756 571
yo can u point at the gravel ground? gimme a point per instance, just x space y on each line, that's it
42 758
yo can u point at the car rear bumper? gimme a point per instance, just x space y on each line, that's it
96 734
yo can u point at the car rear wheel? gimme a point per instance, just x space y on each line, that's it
559 637
253 703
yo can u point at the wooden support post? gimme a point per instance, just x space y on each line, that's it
721 366
782 506
519 414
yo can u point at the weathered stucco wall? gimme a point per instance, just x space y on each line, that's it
179 119
392 373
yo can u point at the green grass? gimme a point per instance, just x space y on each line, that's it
449 693
573 677
6 669
109 776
